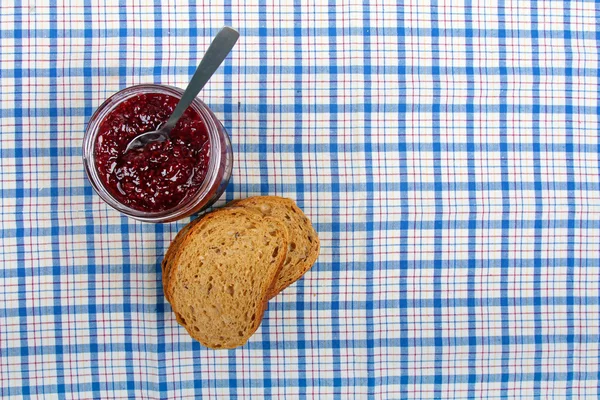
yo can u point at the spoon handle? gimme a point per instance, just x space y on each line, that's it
214 56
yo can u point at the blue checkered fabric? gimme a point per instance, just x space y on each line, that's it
448 155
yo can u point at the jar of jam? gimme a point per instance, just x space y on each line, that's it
162 181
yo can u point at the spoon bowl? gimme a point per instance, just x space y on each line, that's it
144 139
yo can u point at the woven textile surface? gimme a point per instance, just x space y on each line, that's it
447 154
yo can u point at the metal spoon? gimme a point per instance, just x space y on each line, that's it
214 56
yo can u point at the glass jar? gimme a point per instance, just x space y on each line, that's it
219 164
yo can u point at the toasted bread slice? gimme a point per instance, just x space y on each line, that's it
222 272
304 244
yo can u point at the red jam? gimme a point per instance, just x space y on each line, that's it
158 176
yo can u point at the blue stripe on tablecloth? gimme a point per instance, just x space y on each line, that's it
472 187
164 317
370 193
539 223
226 120
263 108
393 184
438 226
232 102
90 271
424 265
326 383
597 75
147 74
335 197
157 35
19 203
525 216
131 382
571 187
590 300
505 247
428 344
240 146
54 225
554 71
403 190
355 148
127 308
4 276
195 54
318 31
357 106
393 224
298 186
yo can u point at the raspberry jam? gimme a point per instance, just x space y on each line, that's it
158 176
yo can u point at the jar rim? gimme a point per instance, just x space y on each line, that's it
182 209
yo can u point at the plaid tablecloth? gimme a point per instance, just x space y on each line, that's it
448 155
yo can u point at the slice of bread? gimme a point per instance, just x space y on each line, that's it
304 244
222 272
